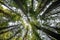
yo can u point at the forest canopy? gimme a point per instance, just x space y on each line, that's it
29 20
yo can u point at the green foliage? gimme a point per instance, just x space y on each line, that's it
5 35
21 19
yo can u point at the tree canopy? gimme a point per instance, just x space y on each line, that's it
29 20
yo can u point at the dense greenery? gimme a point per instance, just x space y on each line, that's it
29 20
